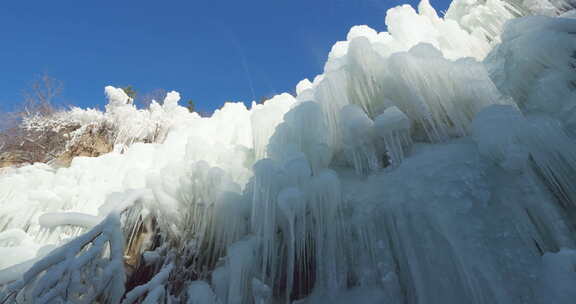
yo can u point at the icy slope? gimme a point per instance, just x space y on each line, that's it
433 163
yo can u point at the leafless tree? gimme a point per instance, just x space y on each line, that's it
19 145
40 97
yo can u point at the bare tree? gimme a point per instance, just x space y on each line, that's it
21 145
40 96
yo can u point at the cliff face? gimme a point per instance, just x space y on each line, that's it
56 147
12 158
91 143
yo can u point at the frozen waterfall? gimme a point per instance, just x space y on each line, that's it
432 163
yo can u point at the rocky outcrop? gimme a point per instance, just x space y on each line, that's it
56 147
93 142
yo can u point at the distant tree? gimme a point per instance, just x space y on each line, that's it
190 105
40 96
146 99
130 92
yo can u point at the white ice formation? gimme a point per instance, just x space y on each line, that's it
432 163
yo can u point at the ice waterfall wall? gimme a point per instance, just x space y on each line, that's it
432 163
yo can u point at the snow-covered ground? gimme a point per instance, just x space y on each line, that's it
432 163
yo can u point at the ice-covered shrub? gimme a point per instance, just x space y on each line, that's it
87 269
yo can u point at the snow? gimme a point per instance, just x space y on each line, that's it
430 163
52 220
86 268
15 247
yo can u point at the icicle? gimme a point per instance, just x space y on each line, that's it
509 138
393 127
297 170
358 139
331 94
484 19
364 87
268 180
304 130
291 203
265 117
241 267
231 208
324 200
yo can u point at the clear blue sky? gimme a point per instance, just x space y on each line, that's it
209 51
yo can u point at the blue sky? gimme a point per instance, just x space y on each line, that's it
209 51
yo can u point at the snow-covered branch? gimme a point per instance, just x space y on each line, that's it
87 269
